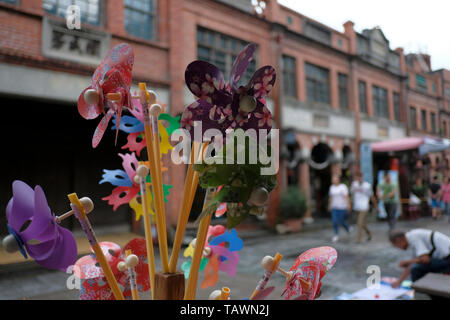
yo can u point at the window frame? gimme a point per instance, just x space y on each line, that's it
343 91
154 19
376 99
418 83
397 106
361 98
433 121
230 54
100 17
309 78
413 124
289 74
423 120
11 2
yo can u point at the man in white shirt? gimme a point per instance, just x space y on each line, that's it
362 193
431 252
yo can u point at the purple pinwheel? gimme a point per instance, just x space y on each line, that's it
227 106
33 226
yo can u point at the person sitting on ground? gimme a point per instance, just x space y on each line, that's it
431 253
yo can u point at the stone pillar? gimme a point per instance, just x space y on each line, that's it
305 186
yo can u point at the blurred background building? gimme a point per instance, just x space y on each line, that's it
335 90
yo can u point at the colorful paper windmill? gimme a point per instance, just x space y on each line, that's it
127 189
94 285
223 106
134 126
109 91
308 270
218 257
33 226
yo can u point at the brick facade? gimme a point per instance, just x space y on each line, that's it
278 31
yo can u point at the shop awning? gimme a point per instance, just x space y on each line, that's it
397 144
434 145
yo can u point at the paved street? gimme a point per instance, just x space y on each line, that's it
348 275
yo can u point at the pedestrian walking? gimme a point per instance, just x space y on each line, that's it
431 252
339 205
387 192
362 193
434 193
445 190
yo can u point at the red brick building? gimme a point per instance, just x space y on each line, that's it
334 90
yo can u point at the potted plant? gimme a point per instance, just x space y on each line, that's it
293 207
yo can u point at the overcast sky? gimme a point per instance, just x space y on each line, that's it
415 25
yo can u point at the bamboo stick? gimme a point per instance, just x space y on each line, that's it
80 213
142 172
132 274
191 287
154 164
190 188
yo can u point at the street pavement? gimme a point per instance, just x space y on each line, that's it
348 275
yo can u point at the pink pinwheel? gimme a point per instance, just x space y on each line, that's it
33 226
308 270
224 106
95 286
113 75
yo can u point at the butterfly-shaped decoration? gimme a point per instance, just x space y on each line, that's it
223 106
94 285
308 270
134 126
127 188
33 226
217 256
111 78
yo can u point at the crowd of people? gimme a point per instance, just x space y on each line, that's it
357 198
431 249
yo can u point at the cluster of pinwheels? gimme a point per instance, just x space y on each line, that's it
230 107
108 94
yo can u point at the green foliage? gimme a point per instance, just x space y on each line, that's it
293 203
237 182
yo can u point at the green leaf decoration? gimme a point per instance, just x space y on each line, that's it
237 181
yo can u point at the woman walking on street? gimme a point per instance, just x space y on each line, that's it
338 205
